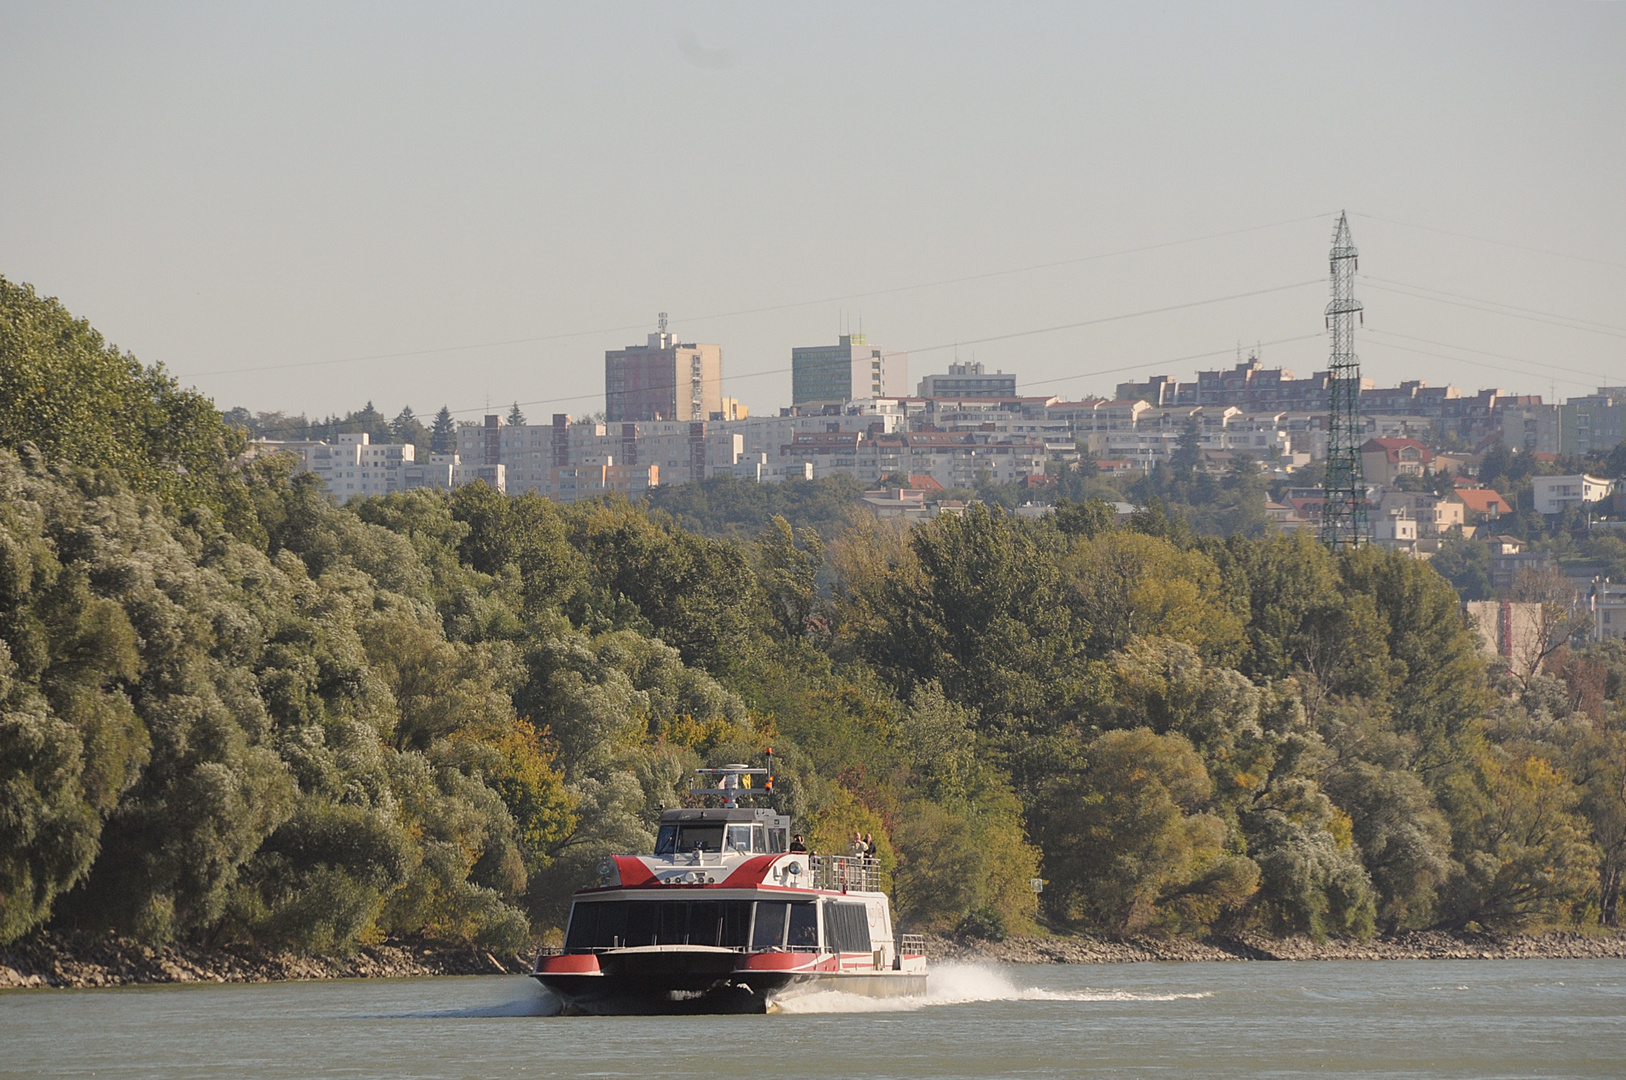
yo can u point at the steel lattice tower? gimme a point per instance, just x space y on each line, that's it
1343 513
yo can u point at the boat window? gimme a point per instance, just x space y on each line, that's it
739 838
673 928
682 839
705 918
616 924
666 840
612 926
776 841
736 924
642 921
846 928
759 842
804 926
770 925
583 926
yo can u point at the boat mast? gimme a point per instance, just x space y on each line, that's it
733 781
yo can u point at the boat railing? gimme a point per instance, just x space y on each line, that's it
912 944
839 873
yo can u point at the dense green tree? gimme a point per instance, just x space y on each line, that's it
788 567
1403 838
726 506
1521 844
1087 518
1188 451
963 861
443 432
1436 684
1466 565
406 428
72 397
1122 585
698 594
1131 841
983 620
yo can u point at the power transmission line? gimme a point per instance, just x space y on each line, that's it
1497 243
996 337
1161 363
1117 318
1540 364
771 308
1481 363
1419 292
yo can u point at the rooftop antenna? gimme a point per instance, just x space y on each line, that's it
662 322
1343 509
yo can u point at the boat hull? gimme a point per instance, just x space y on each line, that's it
655 983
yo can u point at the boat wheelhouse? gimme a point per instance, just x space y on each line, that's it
724 917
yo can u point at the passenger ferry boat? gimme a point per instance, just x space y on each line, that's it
724 917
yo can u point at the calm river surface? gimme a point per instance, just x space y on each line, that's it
1379 1019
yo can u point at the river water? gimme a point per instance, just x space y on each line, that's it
1509 1018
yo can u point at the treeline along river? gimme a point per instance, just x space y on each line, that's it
1469 1019
236 713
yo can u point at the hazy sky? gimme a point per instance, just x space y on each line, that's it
257 195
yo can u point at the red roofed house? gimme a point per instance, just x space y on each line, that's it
1384 459
1307 507
1483 504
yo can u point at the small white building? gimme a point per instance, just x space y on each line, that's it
1607 601
1396 530
1555 494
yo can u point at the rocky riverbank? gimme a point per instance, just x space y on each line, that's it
68 960
71 961
1417 945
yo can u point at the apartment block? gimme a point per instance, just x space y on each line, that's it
950 459
1596 422
1249 386
1534 428
663 379
850 370
968 379
352 466
574 482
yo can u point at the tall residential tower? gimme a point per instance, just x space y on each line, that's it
849 371
663 380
